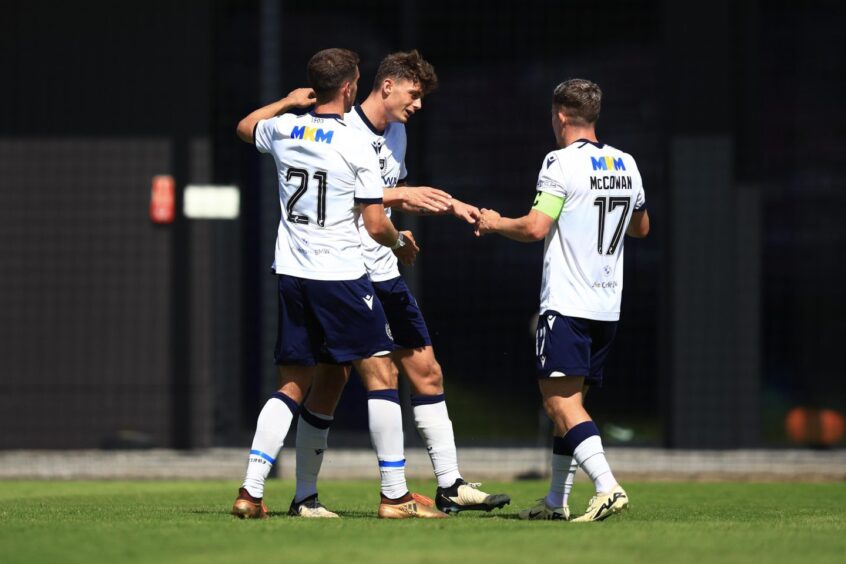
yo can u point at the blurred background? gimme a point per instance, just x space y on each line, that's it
126 323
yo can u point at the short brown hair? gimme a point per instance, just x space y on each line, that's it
581 99
409 65
329 69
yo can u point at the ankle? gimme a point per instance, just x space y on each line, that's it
393 501
244 494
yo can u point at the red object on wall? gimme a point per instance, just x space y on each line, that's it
815 427
163 199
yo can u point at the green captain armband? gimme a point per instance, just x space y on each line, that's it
548 204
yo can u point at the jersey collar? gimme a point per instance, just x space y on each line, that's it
583 141
367 122
327 116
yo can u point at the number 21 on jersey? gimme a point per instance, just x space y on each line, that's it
301 176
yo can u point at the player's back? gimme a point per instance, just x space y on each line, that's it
324 167
583 256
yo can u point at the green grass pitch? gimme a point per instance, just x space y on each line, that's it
189 522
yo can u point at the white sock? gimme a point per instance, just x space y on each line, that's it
435 427
571 477
591 457
312 441
273 424
385 419
558 490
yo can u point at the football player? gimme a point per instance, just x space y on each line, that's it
589 195
328 174
402 80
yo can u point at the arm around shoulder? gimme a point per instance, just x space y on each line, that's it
299 98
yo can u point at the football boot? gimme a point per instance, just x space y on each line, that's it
463 496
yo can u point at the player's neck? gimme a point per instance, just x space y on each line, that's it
335 107
373 109
571 135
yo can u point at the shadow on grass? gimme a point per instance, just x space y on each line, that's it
354 515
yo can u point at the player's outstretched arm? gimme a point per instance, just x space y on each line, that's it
299 98
639 225
425 200
527 229
465 211
418 200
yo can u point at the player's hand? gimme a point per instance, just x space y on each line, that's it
487 222
427 199
407 253
468 213
301 98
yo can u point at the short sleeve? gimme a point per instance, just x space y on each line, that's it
551 177
368 180
263 134
403 172
640 194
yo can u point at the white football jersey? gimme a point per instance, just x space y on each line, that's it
325 169
389 147
583 251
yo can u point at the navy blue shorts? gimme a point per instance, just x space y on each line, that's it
408 327
341 318
572 346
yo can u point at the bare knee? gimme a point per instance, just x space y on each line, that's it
563 403
377 373
427 379
326 389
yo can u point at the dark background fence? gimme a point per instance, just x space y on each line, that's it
115 331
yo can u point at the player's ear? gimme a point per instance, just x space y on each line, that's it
387 86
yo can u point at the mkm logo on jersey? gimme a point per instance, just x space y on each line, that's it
311 134
607 163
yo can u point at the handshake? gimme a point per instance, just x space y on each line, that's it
426 200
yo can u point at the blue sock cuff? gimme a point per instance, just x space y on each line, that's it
314 420
577 434
559 446
392 463
264 455
387 395
292 405
426 400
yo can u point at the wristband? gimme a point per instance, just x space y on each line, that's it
400 242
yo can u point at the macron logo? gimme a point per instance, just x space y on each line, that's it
550 160
551 320
369 301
